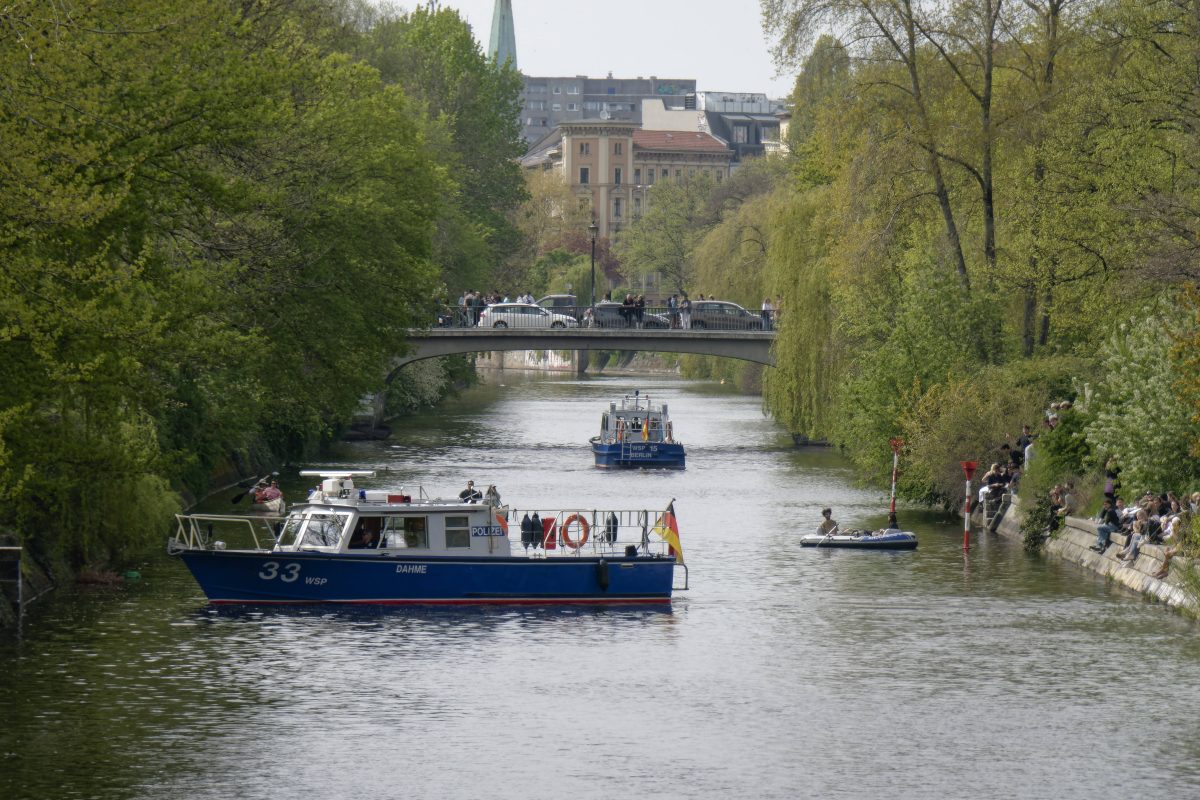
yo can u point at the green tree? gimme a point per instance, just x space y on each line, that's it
663 240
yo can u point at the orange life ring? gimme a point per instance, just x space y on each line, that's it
503 523
565 531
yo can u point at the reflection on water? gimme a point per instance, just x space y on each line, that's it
784 672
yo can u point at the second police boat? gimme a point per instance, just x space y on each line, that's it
637 434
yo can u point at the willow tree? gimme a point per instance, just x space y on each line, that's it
885 33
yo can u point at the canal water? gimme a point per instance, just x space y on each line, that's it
783 672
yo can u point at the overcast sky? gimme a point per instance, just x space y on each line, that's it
720 44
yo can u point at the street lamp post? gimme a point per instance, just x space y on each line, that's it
593 229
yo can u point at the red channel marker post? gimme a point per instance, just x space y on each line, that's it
968 470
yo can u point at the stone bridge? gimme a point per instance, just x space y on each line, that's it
745 345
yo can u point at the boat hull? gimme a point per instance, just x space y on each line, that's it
258 577
639 455
899 540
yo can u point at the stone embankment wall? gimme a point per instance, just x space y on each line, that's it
1074 539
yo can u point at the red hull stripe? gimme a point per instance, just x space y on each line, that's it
524 601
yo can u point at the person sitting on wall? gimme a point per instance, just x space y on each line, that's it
1108 522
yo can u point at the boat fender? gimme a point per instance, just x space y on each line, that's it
565 532
602 574
630 550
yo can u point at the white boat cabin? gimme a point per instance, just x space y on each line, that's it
635 419
339 517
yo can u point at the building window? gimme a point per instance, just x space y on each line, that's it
720 175
537 105
616 148
637 206
556 107
458 532
741 134
572 106
650 176
536 88
679 174
612 90
558 90
592 105
637 175
574 89
617 176
585 149
543 122
616 208
692 172
585 175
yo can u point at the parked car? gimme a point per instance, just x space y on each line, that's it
562 304
609 315
523 315
722 315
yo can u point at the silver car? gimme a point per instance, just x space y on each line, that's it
722 315
523 315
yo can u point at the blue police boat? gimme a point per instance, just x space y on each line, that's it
348 544
637 434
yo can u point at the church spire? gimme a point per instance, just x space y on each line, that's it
503 45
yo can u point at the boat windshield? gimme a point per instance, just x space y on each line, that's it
314 528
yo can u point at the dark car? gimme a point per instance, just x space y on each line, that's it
616 315
562 304
720 315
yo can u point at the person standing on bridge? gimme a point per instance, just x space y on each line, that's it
767 310
685 312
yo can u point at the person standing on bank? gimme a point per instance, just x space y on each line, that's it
470 494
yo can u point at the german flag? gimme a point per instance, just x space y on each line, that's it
667 529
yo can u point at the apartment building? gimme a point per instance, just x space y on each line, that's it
613 165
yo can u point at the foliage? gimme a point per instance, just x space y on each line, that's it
217 228
663 240
471 110
1038 524
1137 412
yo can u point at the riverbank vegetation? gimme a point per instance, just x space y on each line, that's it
983 207
217 221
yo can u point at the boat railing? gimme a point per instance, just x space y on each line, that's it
589 532
218 531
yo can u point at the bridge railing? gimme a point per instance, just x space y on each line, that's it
614 316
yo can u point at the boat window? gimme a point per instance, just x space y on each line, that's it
366 533
323 529
405 532
458 532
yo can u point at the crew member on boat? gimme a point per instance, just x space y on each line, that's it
470 494
828 526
